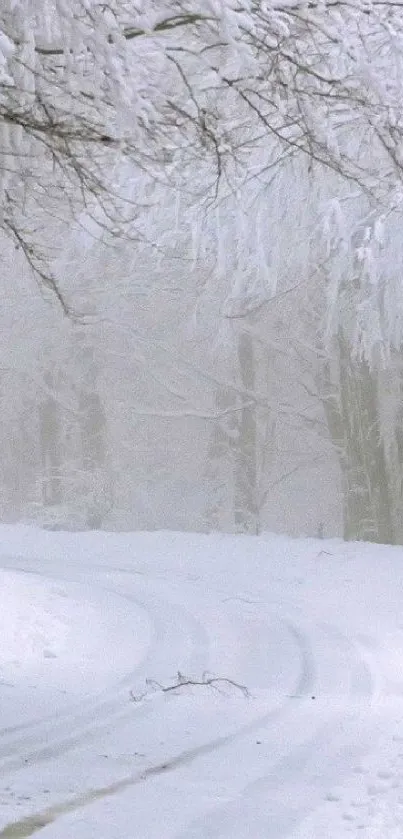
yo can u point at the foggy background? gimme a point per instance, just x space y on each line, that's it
204 384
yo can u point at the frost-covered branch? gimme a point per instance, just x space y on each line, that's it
96 99
130 32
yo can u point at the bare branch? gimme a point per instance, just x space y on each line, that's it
182 681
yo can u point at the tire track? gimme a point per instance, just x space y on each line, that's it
50 737
304 685
334 743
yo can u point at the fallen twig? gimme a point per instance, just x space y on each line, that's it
183 681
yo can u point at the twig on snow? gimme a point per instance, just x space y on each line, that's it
183 681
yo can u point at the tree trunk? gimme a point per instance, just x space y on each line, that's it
92 431
232 468
219 468
246 502
352 411
49 423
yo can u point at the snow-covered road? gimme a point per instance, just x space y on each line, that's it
94 629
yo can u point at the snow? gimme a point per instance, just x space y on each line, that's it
97 741
6 50
48 656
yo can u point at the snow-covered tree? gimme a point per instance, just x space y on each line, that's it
145 122
86 85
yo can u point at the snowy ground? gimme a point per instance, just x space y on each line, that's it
95 627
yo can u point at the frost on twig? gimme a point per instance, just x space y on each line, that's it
152 686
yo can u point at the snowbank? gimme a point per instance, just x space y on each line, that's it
61 641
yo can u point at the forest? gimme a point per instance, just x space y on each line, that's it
202 254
